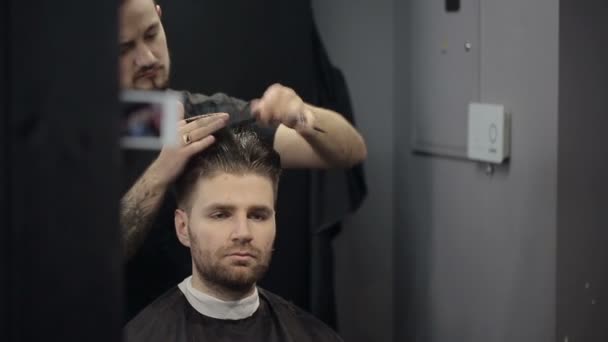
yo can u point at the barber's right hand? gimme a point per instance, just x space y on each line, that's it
194 137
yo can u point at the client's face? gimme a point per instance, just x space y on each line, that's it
232 229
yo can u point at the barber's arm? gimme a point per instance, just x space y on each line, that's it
141 203
308 136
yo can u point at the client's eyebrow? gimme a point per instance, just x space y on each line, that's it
261 209
228 207
220 206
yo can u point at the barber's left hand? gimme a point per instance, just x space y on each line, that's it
281 105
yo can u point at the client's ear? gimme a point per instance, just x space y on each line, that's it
181 227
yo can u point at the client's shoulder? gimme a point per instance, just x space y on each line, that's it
318 330
159 317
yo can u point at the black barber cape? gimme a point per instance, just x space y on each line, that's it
172 318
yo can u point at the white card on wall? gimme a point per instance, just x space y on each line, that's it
489 133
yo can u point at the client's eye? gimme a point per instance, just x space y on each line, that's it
220 215
258 216
150 35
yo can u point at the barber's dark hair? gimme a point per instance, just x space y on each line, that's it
122 2
236 150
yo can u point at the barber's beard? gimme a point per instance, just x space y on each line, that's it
157 83
223 274
161 85
160 82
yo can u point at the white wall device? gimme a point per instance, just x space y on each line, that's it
489 133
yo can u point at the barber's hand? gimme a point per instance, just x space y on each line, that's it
194 137
281 105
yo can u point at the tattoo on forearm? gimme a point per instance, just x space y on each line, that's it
138 209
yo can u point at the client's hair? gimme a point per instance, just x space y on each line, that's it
237 151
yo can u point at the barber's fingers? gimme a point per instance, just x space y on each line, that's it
256 110
180 110
180 114
208 123
199 145
204 120
266 108
202 132
266 113
278 105
286 111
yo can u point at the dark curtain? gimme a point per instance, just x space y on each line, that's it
334 193
60 250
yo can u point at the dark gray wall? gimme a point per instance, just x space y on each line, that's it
582 271
475 254
360 40
518 255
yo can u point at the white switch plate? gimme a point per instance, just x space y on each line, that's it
489 133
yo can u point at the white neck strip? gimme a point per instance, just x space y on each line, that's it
216 308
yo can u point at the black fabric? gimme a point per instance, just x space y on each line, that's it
334 193
172 318
331 91
162 261
60 240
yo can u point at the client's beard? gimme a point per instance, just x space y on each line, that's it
223 278
226 278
